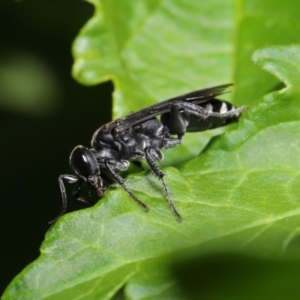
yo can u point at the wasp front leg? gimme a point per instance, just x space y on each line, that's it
69 179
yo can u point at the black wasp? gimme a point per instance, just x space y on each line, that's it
141 135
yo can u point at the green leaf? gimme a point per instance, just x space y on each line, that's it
260 24
243 189
255 169
155 50
246 188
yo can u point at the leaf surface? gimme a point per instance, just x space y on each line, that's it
260 24
156 50
243 187
246 187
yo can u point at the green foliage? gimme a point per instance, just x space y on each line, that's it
155 50
242 192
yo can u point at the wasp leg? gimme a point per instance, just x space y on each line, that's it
151 156
189 117
69 179
117 178
177 122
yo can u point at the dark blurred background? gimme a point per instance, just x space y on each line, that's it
44 113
